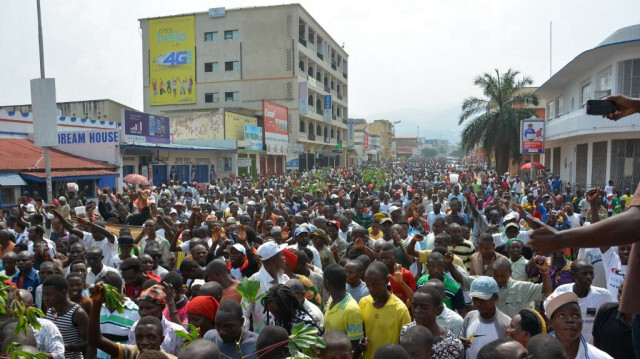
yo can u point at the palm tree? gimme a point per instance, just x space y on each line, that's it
494 121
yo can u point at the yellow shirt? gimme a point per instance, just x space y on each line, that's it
375 237
424 255
627 200
382 326
345 317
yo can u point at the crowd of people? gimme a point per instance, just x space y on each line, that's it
423 261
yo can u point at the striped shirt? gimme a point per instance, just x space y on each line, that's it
464 250
68 329
115 326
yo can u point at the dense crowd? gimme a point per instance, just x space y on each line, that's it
411 259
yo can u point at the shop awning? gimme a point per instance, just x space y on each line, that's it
174 147
11 179
68 175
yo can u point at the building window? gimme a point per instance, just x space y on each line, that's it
231 96
301 66
603 83
585 93
338 135
210 36
230 34
210 67
318 77
232 65
310 71
302 126
629 78
318 131
338 110
559 106
333 133
550 112
211 97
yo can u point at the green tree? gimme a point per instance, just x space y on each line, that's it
493 122
443 150
429 152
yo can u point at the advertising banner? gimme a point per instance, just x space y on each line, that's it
254 135
234 125
293 162
532 136
144 127
172 62
351 128
328 106
303 94
276 129
365 142
198 126
312 81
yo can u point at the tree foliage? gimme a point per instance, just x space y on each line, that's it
429 152
493 122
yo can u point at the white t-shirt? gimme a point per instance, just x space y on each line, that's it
108 249
588 351
609 190
584 207
593 256
589 306
574 220
116 261
484 333
614 269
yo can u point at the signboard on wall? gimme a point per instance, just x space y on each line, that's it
327 108
198 126
172 62
351 127
532 136
234 125
144 127
293 162
303 94
276 129
365 141
253 134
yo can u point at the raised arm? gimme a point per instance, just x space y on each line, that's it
94 335
110 236
66 224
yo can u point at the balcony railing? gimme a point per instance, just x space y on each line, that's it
333 116
311 136
339 96
326 88
319 110
344 74
302 41
321 56
327 140
334 66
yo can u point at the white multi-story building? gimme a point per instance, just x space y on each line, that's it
589 150
243 56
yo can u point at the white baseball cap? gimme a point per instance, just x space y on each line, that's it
268 250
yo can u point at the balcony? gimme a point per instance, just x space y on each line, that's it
339 96
578 123
302 41
311 136
321 56
327 140
334 66
344 74
333 116
319 110
326 88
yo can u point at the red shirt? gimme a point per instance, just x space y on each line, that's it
409 280
132 291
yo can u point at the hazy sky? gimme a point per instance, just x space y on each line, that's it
413 61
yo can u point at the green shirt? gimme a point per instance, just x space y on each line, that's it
451 287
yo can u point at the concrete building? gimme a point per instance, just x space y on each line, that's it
407 146
246 56
589 150
384 130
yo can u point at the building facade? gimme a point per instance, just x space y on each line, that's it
238 59
589 150
384 130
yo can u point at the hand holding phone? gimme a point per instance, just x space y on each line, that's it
601 107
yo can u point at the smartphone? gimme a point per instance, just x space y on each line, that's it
601 107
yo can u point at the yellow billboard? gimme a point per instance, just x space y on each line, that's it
172 62
234 125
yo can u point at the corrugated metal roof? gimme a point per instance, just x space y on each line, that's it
23 155
11 179
625 34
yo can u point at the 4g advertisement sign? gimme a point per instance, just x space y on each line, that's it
172 67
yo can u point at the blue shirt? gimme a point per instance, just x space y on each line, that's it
31 281
230 350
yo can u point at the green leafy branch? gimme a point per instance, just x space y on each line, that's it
189 337
26 317
305 340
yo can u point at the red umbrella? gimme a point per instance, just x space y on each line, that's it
527 166
136 179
